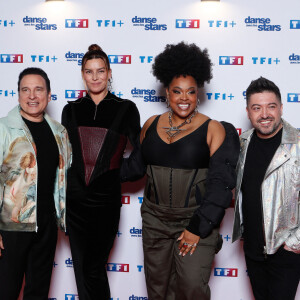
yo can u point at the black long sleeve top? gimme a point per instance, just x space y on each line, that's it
98 134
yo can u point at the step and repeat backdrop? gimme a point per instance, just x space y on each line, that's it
245 40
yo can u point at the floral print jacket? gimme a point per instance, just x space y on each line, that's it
18 173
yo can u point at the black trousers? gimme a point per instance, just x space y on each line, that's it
30 254
91 240
275 278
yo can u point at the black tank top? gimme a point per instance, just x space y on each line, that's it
189 152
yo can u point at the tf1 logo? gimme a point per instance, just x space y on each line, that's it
226 272
293 97
75 94
119 59
125 199
77 23
11 58
187 23
71 297
239 131
112 267
231 60
294 24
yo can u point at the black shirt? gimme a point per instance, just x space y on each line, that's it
47 162
189 152
259 155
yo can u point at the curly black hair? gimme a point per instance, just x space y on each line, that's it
182 60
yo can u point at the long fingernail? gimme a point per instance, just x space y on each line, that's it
180 253
191 253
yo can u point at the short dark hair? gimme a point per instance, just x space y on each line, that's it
34 71
262 85
182 60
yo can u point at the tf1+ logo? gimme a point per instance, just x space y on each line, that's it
219 96
119 59
294 24
226 272
5 23
147 59
187 23
221 23
109 23
77 23
112 267
75 94
39 23
71 297
43 58
6 93
265 60
293 97
231 60
11 58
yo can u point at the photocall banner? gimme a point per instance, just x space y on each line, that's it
245 40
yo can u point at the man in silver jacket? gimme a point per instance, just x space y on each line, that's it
267 205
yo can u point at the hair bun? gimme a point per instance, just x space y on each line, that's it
95 47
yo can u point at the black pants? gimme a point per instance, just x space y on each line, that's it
30 254
91 241
275 278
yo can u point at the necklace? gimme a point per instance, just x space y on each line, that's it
172 131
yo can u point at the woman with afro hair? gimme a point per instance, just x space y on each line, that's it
190 174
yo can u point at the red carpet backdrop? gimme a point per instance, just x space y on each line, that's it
245 40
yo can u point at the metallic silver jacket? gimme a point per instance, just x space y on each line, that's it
279 192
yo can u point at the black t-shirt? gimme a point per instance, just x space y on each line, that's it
47 162
259 155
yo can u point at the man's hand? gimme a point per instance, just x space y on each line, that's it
290 249
1 244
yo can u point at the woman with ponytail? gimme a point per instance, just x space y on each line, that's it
99 125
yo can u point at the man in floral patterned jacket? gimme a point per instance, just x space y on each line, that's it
35 154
